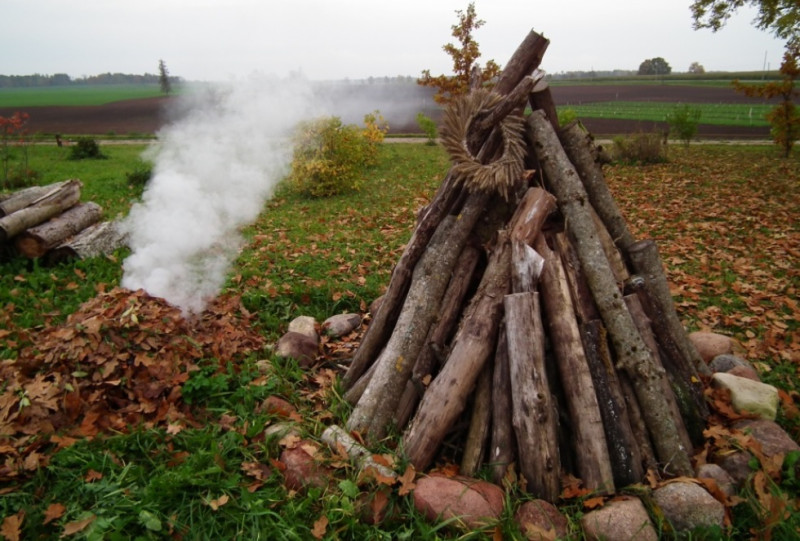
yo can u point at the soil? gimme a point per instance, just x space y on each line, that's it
146 116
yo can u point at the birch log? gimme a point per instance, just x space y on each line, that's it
52 203
632 354
36 241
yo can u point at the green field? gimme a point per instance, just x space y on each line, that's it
720 114
75 95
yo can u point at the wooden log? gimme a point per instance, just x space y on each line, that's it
646 263
102 238
623 450
589 440
643 323
379 401
384 320
53 202
446 396
542 98
501 452
584 154
615 259
480 422
632 355
338 440
638 425
36 241
526 267
534 414
14 201
428 361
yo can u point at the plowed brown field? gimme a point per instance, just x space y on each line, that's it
146 116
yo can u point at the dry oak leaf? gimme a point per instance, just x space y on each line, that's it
407 483
71 528
320 526
219 502
11 525
53 512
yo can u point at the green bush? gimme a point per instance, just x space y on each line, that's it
86 148
141 175
428 127
641 148
565 116
683 121
329 156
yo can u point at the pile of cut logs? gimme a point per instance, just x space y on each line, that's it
50 222
524 327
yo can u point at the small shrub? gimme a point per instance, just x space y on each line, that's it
141 175
329 156
641 148
428 127
86 148
565 116
683 121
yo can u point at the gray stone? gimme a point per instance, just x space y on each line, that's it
539 520
341 324
744 372
749 396
726 361
718 474
306 325
737 464
773 439
688 506
621 520
297 346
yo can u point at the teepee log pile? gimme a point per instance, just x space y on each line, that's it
524 327
50 222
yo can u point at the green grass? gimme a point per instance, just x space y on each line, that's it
720 114
75 95
724 218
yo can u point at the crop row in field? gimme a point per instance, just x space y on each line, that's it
720 114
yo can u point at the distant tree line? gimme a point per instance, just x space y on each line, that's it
62 79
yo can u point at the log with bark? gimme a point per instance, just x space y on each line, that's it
36 241
534 349
52 202
102 238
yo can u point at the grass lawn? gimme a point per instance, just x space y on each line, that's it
719 114
727 222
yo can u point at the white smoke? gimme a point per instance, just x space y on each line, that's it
213 170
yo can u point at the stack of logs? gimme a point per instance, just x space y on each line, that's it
50 222
531 331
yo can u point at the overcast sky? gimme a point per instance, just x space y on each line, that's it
218 40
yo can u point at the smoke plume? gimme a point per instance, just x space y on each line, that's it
214 167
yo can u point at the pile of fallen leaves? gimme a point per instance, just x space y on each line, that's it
118 362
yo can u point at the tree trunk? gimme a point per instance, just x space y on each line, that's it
383 321
446 396
10 203
475 444
594 464
534 414
647 263
37 240
96 240
379 401
432 353
53 202
583 153
623 450
631 352
501 452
